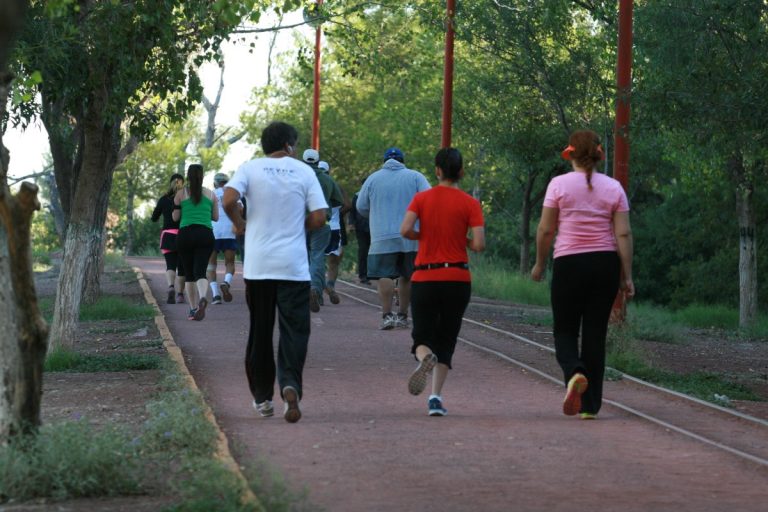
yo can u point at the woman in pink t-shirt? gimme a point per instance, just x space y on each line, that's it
592 260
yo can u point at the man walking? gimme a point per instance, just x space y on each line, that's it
225 242
280 190
384 198
319 239
359 225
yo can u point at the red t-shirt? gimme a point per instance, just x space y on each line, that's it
445 215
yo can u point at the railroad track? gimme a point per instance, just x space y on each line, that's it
742 435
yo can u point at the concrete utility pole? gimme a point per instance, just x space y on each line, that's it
448 74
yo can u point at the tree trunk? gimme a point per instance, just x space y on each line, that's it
525 230
54 207
83 247
129 216
747 260
23 341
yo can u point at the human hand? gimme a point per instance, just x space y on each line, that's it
537 274
628 287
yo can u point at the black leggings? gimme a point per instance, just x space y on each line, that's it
584 287
437 308
173 262
195 244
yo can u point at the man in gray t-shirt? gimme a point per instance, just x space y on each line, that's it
384 198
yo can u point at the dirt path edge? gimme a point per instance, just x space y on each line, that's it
223 453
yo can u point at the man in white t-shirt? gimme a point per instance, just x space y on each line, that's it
280 190
225 242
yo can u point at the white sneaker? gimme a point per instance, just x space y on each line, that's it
265 408
388 321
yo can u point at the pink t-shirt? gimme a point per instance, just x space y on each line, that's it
584 218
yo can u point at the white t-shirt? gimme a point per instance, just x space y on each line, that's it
279 193
222 228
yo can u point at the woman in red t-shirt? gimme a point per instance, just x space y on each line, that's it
441 281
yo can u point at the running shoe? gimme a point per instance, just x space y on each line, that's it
436 406
171 296
576 387
292 413
314 301
332 295
265 408
179 298
216 300
191 315
388 321
225 292
587 416
418 380
401 320
200 311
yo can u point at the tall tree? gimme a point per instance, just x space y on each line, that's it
23 343
706 62
100 60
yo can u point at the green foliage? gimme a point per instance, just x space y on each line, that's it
43 233
208 485
63 360
177 424
68 460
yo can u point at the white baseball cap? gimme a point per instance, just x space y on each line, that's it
311 156
322 164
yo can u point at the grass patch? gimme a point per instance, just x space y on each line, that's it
623 355
653 324
68 460
708 317
270 486
63 360
496 280
115 308
171 454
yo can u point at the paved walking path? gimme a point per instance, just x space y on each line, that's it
365 444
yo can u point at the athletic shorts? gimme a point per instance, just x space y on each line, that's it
334 246
225 244
391 265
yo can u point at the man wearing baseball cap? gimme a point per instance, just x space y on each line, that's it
319 239
384 198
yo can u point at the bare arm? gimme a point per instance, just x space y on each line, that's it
215 207
477 242
545 234
233 209
406 228
315 220
623 233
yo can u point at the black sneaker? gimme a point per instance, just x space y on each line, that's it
314 301
292 412
171 296
436 406
200 311
225 292
216 299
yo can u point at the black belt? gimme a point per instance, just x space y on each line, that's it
432 266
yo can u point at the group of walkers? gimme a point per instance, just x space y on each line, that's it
418 237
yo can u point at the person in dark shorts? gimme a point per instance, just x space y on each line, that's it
226 243
589 212
384 198
195 207
441 279
174 273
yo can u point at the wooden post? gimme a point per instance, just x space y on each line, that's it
316 97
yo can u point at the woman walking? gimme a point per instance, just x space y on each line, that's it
441 280
174 273
592 260
196 207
